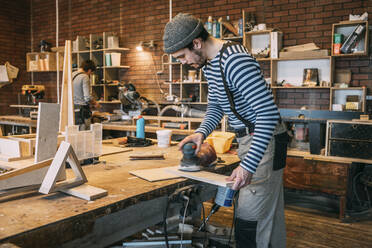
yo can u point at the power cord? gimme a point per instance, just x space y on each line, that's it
236 197
183 219
177 195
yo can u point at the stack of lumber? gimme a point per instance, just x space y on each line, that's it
308 50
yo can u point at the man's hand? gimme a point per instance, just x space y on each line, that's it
241 176
197 138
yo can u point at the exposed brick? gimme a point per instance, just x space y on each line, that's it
301 22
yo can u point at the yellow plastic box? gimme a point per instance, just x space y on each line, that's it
221 141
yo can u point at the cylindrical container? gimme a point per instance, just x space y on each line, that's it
224 196
108 59
140 127
115 58
192 75
164 137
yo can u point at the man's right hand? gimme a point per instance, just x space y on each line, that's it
197 138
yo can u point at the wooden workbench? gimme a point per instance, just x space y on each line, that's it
59 220
16 120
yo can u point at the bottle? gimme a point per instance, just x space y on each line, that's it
214 29
209 24
218 28
240 25
140 127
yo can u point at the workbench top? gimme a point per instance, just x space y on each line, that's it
21 215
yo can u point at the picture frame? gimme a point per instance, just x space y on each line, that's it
310 77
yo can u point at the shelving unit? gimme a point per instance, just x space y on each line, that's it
43 62
98 50
346 28
194 92
291 70
338 96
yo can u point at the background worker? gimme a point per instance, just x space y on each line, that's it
82 98
260 210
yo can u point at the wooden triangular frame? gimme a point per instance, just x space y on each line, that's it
65 152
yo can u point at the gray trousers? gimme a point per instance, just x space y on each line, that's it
261 202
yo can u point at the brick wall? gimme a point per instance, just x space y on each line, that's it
301 22
14 43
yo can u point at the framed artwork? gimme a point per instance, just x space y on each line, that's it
310 77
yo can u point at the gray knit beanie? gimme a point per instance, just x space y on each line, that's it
181 31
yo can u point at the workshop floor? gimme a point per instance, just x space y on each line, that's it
313 228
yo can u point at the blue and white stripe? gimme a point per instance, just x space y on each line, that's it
253 100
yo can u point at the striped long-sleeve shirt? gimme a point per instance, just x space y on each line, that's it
253 100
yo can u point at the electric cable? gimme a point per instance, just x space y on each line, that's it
183 219
156 75
354 188
205 233
165 222
236 197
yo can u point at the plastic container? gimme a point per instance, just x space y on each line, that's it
115 58
164 137
140 127
221 141
224 196
108 59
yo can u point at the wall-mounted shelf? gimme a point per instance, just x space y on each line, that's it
43 62
96 48
346 29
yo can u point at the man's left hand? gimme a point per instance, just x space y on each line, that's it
241 176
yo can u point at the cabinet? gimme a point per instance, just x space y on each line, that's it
44 61
103 49
349 139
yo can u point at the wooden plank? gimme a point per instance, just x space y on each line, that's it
64 152
203 176
110 150
31 175
47 131
304 54
153 175
303 47
86 192
6 158
67 115
10 148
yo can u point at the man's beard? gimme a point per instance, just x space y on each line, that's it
202 61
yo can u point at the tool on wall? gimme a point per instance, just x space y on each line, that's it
33 93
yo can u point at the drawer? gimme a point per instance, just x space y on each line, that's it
351 131
352 149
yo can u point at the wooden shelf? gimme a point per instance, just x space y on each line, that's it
233 38
300 87
116 67
44 62
263 59
85 51
346 28
110 102
302 58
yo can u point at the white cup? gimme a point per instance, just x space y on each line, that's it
262 26
164 137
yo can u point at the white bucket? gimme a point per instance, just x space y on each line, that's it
164 137
115 59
